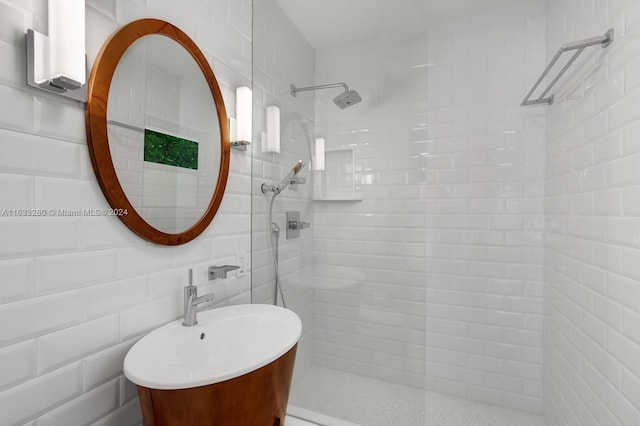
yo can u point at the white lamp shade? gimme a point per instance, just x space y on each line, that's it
272 141
66 40
319 154
41 58
232 129
244 116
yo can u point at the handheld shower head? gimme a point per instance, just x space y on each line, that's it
287 179
285 182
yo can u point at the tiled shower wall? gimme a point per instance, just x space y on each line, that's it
484 194
592 249
281 57
370 270
448 240
76 292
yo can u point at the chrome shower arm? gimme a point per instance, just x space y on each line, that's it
295 89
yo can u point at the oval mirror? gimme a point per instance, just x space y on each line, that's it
157 133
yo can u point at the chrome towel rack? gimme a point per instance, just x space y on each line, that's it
579 46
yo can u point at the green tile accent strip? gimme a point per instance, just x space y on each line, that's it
170 150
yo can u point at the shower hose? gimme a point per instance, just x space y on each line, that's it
274 252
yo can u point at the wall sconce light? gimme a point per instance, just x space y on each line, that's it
57 63
271 143
318 151
240 128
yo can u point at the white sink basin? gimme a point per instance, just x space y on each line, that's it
226 343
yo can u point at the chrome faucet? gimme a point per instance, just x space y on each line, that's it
191 302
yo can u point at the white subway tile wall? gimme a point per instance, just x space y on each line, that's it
437 274
592 244
435 279
283 57
370 267
484 157
77 292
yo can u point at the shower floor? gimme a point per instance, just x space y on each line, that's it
371 402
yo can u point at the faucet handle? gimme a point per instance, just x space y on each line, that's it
304 225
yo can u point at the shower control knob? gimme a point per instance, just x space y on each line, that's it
294 225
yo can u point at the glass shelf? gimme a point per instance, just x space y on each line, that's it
356 197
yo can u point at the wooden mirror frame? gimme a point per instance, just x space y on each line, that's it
98 138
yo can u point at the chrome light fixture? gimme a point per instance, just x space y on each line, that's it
240 128
57 63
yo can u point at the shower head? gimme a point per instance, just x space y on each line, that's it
343 100
347 98
287 179
285 182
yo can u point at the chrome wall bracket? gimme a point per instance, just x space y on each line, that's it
60 86
216 272
240 145
298 180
